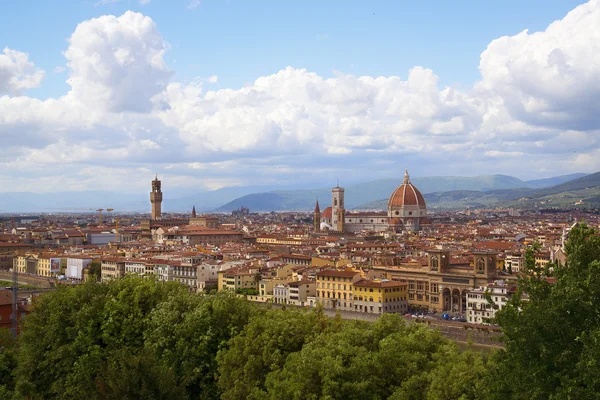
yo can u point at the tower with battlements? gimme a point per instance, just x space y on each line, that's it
156 199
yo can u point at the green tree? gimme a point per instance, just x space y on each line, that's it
186 333
72 332
360 361
457 375
263 347
95 270
551 327
8 363
131 375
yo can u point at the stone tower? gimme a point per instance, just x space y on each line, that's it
317 218
337 209
156 199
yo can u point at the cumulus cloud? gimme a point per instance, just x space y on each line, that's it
117 63
534 109
17 73
549 78
296 109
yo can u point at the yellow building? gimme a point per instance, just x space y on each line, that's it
380 296
235 279
38 264
335 288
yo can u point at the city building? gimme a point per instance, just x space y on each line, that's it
380 296
484 302
112 268
406 212
335 288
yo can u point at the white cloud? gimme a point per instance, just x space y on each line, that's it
549 78
59 69
17 73
117 63
194 3
530 112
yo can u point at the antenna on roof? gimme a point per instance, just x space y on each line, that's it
337 182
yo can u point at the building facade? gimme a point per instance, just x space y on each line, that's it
406 212
380 296
441 285
335 288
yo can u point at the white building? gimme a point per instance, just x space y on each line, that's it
75 266
208 273
483 303
163 272
135 267
513 263
186 274
281 293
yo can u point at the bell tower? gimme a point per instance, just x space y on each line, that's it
156 199
317 218
338 212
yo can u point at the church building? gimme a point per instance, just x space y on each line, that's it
406 211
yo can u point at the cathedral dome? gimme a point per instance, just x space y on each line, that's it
406 195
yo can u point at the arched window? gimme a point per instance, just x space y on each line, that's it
480 264
434 263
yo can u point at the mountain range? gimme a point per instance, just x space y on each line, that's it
365 195
581 192
440 192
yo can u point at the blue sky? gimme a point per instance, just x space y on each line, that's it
232 93
242 40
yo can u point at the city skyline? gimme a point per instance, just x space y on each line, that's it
125 96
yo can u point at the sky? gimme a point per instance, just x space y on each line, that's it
207 94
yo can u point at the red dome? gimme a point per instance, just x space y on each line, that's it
396 221
406 195
326 214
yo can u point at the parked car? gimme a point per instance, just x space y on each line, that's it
446 316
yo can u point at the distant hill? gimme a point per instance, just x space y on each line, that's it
586 189
267 198
15 202
363 195
557 180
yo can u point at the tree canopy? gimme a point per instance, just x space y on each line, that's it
551 328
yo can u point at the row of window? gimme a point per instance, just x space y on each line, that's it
332 286
333 278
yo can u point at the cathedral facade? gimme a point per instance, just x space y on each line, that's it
406 211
